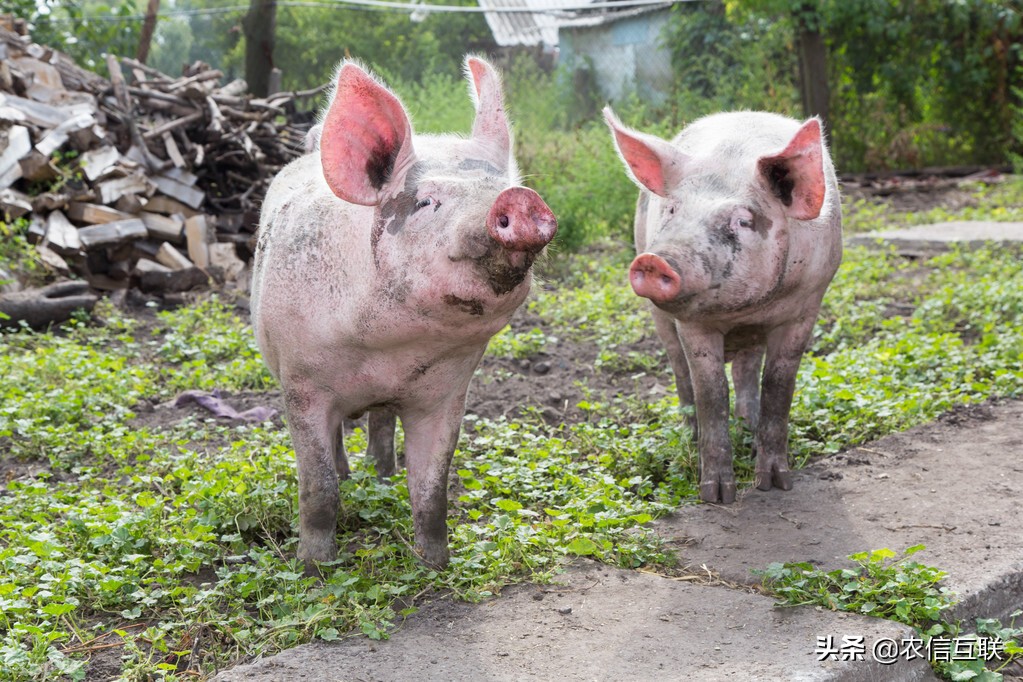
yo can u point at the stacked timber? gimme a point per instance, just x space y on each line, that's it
138 179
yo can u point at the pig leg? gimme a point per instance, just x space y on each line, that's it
705 352
319 453
430 439
664 324
381 442
746 366
785 346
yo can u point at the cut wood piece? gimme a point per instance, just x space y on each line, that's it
182 175
172 258
130 204
198 235
36 167
112 234
155 278
190 196
55 138
18 144
14 204
45 84
94 214
52 260
135 183
44 115
99 162
225 257
173 153
164 228
167 206
37 229
61 235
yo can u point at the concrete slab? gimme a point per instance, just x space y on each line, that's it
954 486
942 236
601 624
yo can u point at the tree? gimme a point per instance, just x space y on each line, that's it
260 26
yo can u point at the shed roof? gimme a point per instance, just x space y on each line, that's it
536 22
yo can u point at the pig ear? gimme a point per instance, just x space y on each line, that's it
366 140
490 129
796 174
652 162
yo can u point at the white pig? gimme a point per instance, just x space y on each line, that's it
738 234
385 263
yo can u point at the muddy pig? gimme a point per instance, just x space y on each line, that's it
738 234
385 262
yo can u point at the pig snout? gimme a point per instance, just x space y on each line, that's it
519 220
652 277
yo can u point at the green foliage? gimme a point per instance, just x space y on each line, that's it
84 29
17 257
755 51
884 584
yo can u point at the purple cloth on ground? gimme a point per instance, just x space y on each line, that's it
219 408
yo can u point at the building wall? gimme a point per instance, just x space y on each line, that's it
626 56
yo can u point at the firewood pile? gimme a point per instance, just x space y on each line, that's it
139 179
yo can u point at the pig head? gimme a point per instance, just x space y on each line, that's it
385 262
738 234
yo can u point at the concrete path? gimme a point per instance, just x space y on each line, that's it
940 236
955 486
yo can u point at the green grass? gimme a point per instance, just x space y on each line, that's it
884 584
161 537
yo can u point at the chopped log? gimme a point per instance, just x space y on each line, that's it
167 206
18 144
36 229
172 258
45 84
112 190
225 256
155 278
37 167
130 204
55 138
164 228
44 115
52 260
97 163
197 235
61 235
14 204
94 214
190 196
112 234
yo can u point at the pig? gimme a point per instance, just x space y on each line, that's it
385 262
738 232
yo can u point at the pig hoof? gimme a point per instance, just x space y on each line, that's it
774 479
718 491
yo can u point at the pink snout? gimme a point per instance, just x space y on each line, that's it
519 220
651 277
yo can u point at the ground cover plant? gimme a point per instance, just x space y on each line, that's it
146 541
884 584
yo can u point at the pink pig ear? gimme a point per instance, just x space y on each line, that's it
796 174
366 143
652 162
490 129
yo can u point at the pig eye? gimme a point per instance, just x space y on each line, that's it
423 203
742 218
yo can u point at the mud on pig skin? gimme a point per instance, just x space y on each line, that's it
738 234
385 262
